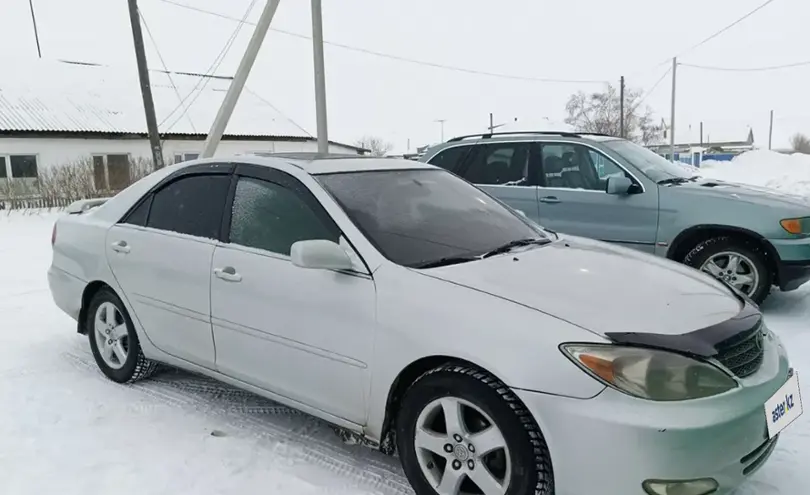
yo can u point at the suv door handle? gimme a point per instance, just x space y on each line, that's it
227 274
549 199
120 247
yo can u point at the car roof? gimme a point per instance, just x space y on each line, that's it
331 163
528 136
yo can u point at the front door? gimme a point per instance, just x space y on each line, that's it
161 257
572 198
304 334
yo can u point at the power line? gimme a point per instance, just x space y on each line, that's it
718 33
397 57
266 102
748 69
163 63
212 68
649 91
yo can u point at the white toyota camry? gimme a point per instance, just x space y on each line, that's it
405 306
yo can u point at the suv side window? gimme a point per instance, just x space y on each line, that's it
505 164
450 158
272 217
191 205
574 166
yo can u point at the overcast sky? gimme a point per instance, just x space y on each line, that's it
400 101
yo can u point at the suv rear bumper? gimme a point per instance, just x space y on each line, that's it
793 274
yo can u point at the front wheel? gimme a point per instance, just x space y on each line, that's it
735 262
460 431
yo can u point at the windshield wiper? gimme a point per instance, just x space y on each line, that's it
517 243
449 260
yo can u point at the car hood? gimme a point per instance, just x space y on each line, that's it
741 192
600 287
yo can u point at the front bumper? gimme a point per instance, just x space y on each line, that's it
793 265
612 443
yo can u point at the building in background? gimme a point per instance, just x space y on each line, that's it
59 114
692 149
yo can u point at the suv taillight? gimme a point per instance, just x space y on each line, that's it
53 235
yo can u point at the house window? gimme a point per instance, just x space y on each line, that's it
184 157
18 166
111 172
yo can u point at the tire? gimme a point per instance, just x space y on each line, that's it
477 392
749 253
135 366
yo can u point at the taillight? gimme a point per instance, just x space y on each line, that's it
53 235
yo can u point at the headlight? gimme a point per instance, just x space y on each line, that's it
650 374
796 226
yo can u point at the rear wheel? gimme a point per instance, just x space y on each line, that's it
461 431
738 263
113 339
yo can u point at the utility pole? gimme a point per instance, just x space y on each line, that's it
491 124
621 107
320 76
36 31
770 132
672 114
701 133
441 122
239 79
146 89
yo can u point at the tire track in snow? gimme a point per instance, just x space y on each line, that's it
297 439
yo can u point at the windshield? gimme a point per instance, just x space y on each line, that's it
654 166
418 217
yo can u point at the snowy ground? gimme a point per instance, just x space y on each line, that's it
64 427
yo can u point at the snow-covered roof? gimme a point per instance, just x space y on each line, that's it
58 97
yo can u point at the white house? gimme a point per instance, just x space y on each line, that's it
56 114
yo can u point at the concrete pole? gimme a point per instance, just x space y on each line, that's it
770 132
320 77
491 124
239 79
672 114
146 88
36 31
621 107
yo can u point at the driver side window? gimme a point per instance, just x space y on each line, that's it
574 166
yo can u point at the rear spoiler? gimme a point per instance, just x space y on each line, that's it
83 205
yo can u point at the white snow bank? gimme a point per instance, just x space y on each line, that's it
786 173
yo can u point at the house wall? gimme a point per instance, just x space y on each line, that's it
58 151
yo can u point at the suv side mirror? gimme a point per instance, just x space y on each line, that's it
618 185
320 254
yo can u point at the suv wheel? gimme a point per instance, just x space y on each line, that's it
113 340
459 430
735 262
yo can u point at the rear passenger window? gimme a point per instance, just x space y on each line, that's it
504 164
139 215
191 205
450 159
272 217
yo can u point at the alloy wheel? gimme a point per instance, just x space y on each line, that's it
734 269
112 336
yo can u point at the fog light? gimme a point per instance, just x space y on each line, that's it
703 486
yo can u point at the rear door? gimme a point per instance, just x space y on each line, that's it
161 253
572 198
506 170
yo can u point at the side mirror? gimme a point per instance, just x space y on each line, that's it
520 212
618 185
320 254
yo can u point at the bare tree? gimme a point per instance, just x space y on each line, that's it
600 112
800 143
377 146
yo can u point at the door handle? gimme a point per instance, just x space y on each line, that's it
120 247
227 274
549 199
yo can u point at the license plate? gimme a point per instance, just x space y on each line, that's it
784 406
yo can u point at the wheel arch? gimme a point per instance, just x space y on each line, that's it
403 381
87 295
692 236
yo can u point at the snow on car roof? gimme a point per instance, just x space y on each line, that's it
316 164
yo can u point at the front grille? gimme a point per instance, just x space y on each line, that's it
742 354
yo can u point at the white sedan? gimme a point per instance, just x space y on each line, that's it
406 306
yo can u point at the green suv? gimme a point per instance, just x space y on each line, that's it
616 191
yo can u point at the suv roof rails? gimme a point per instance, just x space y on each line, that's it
488 135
